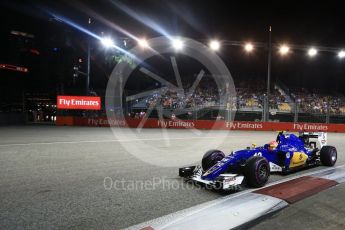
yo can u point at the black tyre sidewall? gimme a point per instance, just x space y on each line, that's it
252 171
326 154
210 158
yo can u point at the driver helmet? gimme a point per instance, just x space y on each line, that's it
272 145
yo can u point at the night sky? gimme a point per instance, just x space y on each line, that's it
300 23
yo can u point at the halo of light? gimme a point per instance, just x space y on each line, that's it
312 52
284 49
107 42
177 44
214 45
341 54
248 47
143 43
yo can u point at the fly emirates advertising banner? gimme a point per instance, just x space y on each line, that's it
78 102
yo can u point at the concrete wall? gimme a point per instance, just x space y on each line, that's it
12 118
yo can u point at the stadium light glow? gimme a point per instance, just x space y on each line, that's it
107 42
284 49
248 47
143 43
312 52
214 45
177 44
341 54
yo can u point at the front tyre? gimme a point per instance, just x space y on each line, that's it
328 155
257 171
210 158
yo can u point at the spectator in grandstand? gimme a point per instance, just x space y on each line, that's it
219 117
249 97
142 114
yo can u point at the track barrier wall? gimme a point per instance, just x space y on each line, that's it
201 124
13 118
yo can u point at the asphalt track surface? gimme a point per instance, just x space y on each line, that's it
55 177
325 210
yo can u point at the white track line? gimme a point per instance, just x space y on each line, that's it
301 175
108 141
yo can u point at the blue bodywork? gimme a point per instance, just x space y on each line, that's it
288 145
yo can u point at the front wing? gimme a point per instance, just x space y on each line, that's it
225 181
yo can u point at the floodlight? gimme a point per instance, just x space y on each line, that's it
214 45
177 44
284 49
312 52
143 43
248 47
107 42
341 54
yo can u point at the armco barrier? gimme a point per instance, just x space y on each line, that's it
201 124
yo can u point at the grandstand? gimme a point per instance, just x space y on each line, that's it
286 104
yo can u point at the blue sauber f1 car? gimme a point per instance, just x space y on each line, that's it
254 164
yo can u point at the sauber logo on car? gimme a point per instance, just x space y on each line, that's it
298 159
275 168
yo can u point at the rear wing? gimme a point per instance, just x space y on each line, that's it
320 136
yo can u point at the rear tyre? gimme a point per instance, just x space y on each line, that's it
257 171
210 158
328 155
